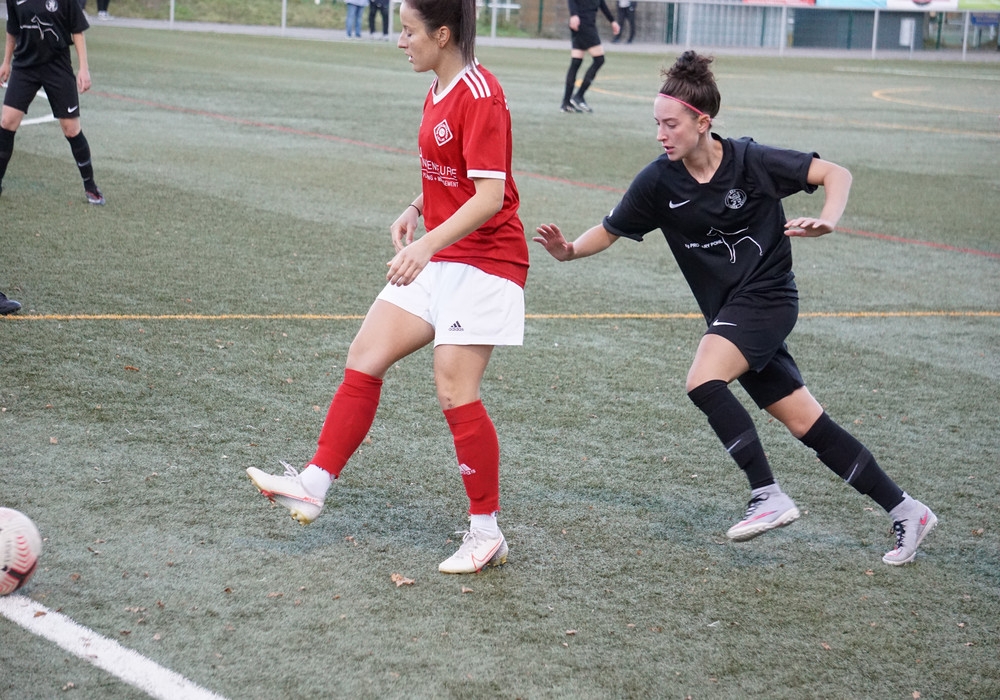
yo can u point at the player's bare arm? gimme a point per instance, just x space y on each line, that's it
8 55
82 75
589 243
476 211
836 183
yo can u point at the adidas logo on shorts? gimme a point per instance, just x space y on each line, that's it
456 326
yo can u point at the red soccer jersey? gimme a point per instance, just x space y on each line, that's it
464 134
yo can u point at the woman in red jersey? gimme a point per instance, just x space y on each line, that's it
460 286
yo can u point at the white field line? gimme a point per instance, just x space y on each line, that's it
38 120
107 654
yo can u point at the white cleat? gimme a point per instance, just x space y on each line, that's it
910 528
478 551
287 490
765 511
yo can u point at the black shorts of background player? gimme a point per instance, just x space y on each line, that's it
718 203
36 56
585 39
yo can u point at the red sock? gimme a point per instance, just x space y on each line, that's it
351 414
478 454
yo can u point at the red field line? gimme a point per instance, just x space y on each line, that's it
537 176
928 244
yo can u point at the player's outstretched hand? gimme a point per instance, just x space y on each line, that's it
808 227
552 238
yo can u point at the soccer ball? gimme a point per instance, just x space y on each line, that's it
20 546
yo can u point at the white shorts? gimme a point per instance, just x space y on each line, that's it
465 305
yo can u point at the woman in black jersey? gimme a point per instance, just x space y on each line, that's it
585 39
36 55
718 203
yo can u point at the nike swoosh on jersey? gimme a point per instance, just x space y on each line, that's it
674 205
722 323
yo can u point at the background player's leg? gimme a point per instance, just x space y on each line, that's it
574 68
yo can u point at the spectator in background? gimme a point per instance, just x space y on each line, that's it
355 9
626 15
102 10
382 8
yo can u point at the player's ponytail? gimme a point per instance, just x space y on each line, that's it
467 31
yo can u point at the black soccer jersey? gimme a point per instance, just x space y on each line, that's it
727 235
44 29
586 10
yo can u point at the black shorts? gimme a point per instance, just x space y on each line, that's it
60 87
758 326
586 37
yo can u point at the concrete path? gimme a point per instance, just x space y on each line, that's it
972 56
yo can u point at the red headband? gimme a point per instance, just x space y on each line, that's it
691 107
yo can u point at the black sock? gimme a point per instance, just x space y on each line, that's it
81 152
574 68
6 149
852 462
735 429
589 76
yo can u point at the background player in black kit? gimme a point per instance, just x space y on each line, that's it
585 39
36 55
718 203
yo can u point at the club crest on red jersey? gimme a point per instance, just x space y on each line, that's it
442 133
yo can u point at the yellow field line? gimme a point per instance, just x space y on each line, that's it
566 316
890 95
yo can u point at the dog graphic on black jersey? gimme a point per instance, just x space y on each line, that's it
732 246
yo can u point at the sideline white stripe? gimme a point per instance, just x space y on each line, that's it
125 664
38 120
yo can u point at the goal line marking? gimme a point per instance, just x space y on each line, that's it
107 654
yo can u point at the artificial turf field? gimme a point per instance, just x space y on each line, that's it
198 325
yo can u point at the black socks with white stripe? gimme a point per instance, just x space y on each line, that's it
852 462
735 428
